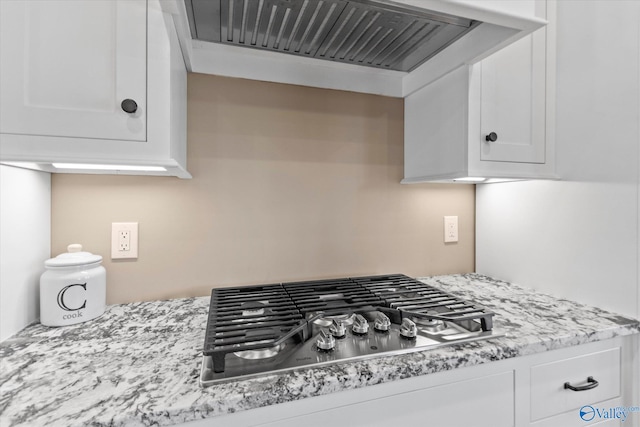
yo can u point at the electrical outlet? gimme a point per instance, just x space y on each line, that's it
450 229
124 240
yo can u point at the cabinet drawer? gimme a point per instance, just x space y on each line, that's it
548 395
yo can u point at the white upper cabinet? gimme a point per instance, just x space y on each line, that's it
513 102
67 66
98 82
489 121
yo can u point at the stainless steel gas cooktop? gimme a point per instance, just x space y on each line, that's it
259 330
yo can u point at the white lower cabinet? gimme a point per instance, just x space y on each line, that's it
522 391
485 401
595 377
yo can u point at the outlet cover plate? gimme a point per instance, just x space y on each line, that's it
450 229
116 229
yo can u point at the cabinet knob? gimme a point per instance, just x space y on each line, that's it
492 137
129 106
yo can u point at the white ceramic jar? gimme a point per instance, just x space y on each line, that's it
73 289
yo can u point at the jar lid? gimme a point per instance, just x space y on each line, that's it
74 257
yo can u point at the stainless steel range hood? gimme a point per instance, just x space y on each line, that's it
360 32
382 47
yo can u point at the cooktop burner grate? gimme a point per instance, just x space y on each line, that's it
418 299
248 318
264 317
331 296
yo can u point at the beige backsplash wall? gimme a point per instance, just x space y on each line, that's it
289 183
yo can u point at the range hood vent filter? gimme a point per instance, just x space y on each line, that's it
371 33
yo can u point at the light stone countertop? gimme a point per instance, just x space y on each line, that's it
138 364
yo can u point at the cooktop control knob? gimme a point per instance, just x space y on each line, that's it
408 329
360 325
325 340
337 328
382 323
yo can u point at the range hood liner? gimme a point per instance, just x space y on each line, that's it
370 33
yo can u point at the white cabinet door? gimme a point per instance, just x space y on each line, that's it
510 94
513 99
67 65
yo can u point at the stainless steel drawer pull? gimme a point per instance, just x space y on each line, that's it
591 383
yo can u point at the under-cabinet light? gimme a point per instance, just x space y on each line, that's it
26 165
471 179
109 167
